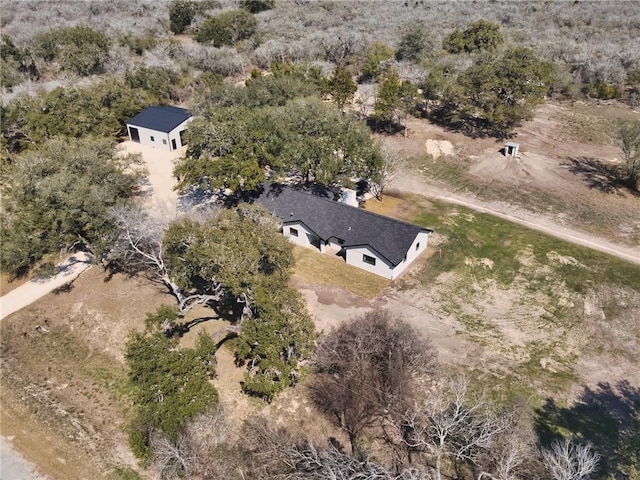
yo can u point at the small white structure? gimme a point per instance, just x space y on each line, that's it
381 245
511 149
349 197
160 127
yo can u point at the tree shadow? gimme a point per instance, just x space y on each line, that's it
607 416
468 125
599 175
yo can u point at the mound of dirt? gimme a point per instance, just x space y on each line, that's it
439 148
526 168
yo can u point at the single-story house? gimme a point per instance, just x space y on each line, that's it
160 127
378 244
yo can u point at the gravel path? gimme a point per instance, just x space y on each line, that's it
34 289
410 183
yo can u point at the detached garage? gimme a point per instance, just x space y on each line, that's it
160 127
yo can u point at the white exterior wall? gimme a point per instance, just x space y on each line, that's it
333 242
421 243
175 133
305 236
158 137
382 268
145 138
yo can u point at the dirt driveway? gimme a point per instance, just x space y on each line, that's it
407 182
159 164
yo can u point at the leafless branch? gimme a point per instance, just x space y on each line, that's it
566 461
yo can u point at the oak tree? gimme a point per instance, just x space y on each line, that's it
59 197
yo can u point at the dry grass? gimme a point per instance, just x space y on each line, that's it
386 206
8 282
314 267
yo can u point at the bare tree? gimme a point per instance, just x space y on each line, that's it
171 460
340 47
509 453
140 247
628 134
366 370
566 461
392 161
197 450
448 426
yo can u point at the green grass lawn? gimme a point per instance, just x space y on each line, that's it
473 235
315 267
488 273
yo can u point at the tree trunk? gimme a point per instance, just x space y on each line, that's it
438 467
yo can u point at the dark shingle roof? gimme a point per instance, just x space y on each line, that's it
160 118
389 237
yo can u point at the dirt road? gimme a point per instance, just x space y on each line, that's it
34 289
408 182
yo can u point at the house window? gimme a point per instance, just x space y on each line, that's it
417 246
153 139
164 141
293 232
367 259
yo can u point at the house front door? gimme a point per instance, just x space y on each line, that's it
173 143
135 136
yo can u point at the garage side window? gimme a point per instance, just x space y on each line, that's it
368 259
153 139
293 232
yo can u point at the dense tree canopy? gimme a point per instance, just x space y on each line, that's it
479 36
181 14
236 251
170 384
80 49
376 54
492 95
274 341
228 28
100 109
341 87
396 98
59 195
16 64
415 43
237 262
232 147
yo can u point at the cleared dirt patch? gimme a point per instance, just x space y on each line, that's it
563 174
63 375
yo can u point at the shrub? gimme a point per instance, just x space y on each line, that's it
228 28
81 50
138 44
257 6
414 44
376 53
181 14
481 35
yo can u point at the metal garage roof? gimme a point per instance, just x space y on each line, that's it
160 118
